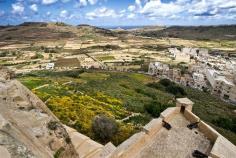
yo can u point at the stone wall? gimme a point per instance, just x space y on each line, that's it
132 146
191 116
208 131
222 148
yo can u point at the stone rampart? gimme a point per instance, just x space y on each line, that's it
191 116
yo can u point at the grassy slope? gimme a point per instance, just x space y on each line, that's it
92 93
126 87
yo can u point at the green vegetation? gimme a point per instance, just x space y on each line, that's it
170 87
104 128
78 97
155 108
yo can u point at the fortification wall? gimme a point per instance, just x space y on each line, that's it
134 144
208 131
191 116
169 113
223 148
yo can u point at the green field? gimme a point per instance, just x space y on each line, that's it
77 97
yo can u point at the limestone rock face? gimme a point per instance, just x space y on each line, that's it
4 152
25 125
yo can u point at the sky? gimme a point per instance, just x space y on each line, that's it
119 12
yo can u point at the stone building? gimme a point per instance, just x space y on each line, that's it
158 69
174 75
199 80
221 85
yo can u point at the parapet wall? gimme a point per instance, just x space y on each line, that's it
222 148
208 131
191 116
132 146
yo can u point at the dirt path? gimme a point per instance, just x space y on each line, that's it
39 87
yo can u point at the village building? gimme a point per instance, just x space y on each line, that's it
187 80
158 69
178 55
221 86
50 66
199 80
174 75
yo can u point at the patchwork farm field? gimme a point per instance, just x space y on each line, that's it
132 100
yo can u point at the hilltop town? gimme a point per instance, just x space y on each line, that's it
153 86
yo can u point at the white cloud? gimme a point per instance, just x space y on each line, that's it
123 11
65 1
138 3
17 8
155 8
101 12
66 15
46 2
131 8
63 13
131 16
34 7
82 2
92 2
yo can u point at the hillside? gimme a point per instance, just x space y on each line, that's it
36 31
119 95
192 32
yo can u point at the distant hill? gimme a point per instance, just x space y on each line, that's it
41 31
227 32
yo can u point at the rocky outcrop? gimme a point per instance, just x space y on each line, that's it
28 128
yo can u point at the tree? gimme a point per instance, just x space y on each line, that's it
104 128
165 82
155 108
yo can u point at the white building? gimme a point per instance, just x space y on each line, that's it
159 69
50 66
199 81
178 55
221 86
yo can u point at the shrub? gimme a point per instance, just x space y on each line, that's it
155 108
165 82
169 86
229 124
104 128
176 90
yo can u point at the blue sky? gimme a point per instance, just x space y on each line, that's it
120 12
